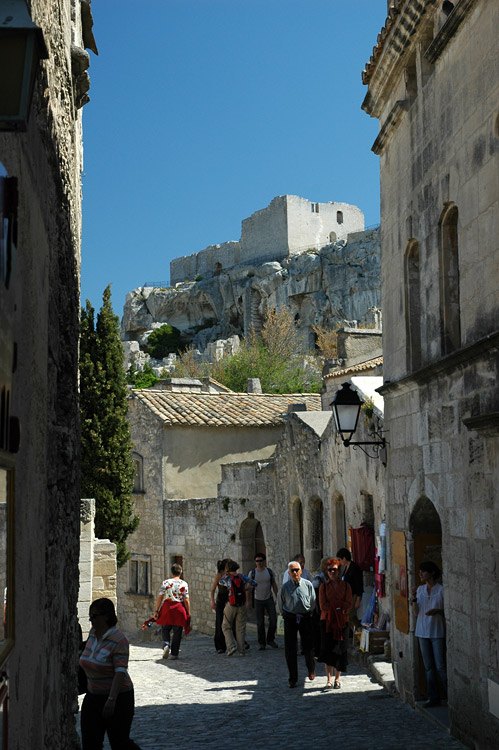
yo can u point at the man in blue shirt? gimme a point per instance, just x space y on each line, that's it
297 600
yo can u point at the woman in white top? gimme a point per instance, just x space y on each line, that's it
428 602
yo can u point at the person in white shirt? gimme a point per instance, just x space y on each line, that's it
304 572
428 603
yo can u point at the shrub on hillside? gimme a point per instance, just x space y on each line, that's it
163 341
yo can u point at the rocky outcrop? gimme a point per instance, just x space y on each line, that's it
338 284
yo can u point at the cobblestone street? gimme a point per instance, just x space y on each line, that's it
205 700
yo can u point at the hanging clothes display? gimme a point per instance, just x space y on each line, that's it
363 546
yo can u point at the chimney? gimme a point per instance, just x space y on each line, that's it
254 385
296 407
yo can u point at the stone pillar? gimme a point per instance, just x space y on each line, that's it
105 569
87 515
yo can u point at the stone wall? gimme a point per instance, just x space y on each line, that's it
97 567
439 150
206 530
47 162
104 570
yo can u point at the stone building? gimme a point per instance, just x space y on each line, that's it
289 225
337 284
182 438
40 228
433 83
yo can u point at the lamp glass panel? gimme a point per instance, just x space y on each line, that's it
12 60
346 416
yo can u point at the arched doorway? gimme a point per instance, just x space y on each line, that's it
426 529
296 535
338 523
316 533
252 541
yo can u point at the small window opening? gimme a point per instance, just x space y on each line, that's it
140 573
339 217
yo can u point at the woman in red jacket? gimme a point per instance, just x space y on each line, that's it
335 600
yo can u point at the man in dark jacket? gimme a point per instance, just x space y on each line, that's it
352 574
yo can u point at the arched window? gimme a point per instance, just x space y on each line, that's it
138 464
296 536
339 217
338 519
316 533
332 236
450 314
412 306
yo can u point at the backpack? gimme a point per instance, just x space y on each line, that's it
237 593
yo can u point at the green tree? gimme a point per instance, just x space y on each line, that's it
107 472
144 378
274 358
163 341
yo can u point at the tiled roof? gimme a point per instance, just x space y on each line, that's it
223 409
380 41
362 367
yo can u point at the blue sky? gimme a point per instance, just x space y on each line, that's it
202 111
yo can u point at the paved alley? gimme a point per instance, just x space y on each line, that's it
205 700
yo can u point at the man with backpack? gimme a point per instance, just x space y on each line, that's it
235 609
264 601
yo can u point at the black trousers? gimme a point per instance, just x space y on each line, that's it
177 637
117 726
291 630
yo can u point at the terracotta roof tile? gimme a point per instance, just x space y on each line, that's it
361 367
223 409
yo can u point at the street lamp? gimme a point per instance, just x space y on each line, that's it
22 46
346 407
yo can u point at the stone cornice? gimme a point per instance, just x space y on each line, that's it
448 30
389 55
389 125
487 424
445 365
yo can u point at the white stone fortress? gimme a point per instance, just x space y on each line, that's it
314 258
288 226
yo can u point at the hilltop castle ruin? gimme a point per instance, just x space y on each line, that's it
314 258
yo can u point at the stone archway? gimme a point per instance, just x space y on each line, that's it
252 541
296 535
426 529
338 523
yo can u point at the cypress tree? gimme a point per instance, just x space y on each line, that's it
107 472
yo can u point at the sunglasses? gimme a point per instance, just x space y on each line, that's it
330 570
294 570
259 560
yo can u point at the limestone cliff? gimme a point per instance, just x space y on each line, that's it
339 283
